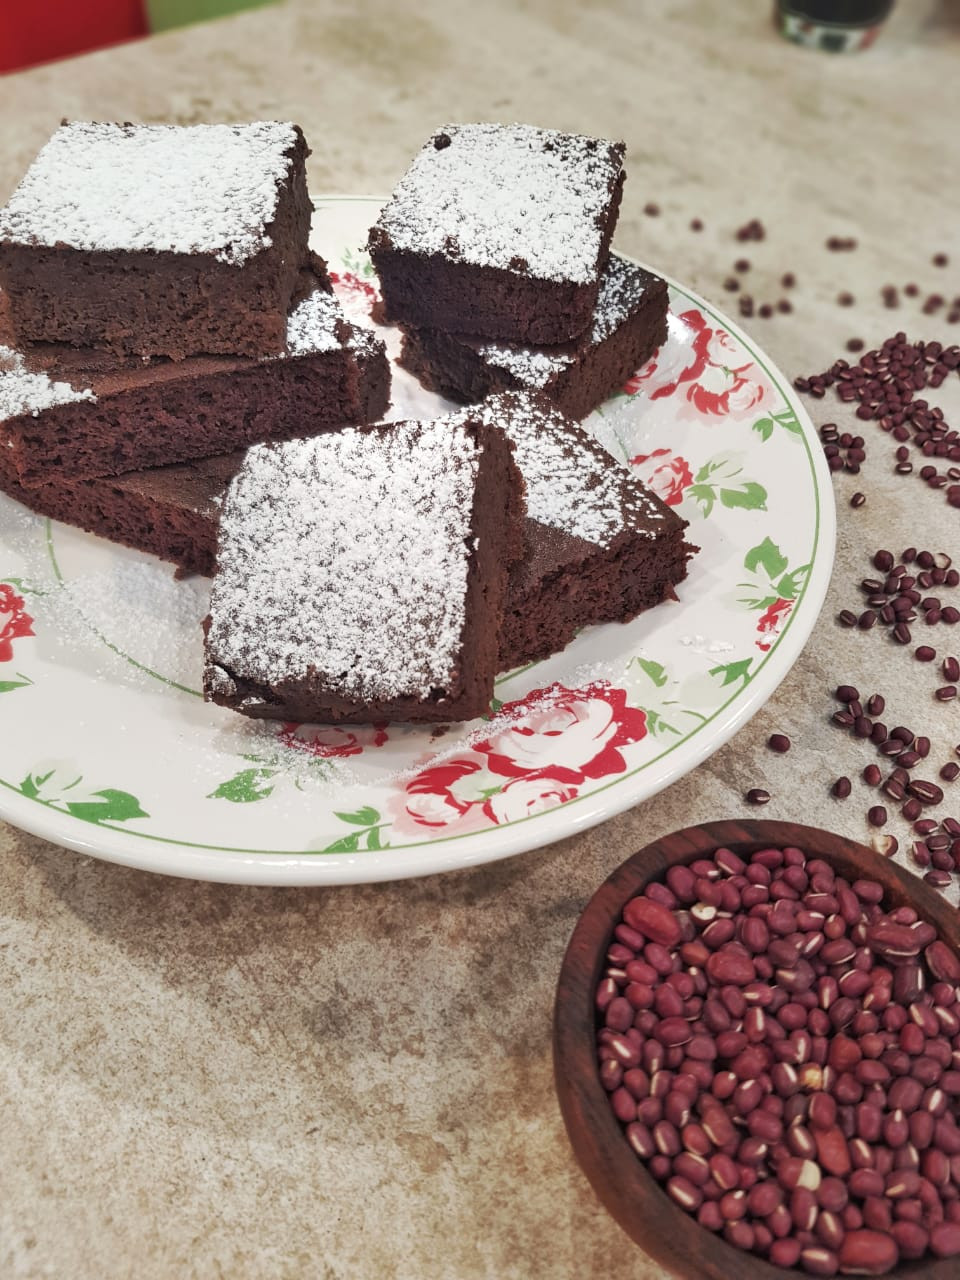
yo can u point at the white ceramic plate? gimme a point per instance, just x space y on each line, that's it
107 747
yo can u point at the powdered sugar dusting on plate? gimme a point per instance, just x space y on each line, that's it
572 483
344 558
509 196
23 392
623 287
206 188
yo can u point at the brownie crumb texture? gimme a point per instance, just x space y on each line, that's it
207 188
522 199
623 287
343 559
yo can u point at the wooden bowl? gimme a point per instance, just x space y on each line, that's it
620 1179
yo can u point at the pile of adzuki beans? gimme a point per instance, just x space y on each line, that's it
784 1054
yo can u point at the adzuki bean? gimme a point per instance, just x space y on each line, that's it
784 1053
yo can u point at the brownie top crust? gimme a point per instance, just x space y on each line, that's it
522 199
205 188
24 391
572 483
623 290
344 558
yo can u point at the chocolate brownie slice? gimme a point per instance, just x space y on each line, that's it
167 240
629 324
600 547
172 512
58 420
361 575
499 230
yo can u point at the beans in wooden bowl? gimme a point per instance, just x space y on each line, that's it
764 1019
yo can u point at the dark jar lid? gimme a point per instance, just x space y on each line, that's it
838 13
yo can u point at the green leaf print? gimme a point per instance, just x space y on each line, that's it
704 494
346 844
357 841
107 806
654 670
373 838
767 556
718 481
20 683
787 419
244 787
750 496
364 817
357 263
791 584
733 671
773 578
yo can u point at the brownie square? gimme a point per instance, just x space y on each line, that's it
72 415
501 231
629 324
600 546
361 575
168 240
172 512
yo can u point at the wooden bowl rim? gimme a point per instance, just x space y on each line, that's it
620 1180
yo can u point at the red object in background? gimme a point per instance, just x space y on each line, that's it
33 31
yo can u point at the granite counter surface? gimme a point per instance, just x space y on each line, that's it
206 1081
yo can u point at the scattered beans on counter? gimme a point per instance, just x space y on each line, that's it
885 383
757 795
783 1052
897 599
905 750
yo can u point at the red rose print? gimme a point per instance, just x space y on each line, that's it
698 364
355 292
14 622
771 621
667 474
537 753
523 797
446 797
721 388
330 742
681 357
567 735
347 282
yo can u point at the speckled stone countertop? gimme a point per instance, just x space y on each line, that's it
203 1081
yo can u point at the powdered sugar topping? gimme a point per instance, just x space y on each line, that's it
23 392
206 188
344 558
532 366
313 324
572 483
508 196
622 289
